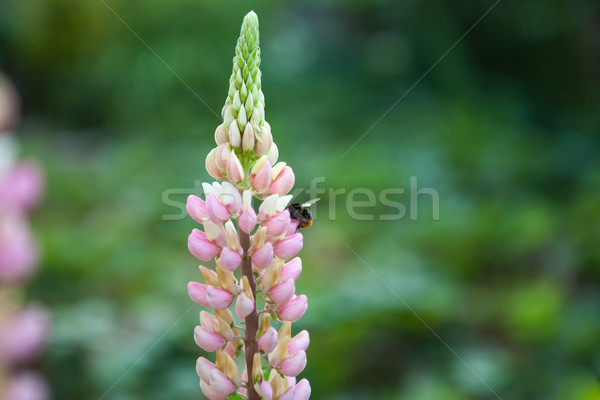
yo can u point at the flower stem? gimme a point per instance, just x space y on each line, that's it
251 321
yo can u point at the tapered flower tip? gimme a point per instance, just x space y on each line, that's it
293 365
294 309
289 394
263 177
283 292
278 224
25 335
222 156
299 342
231 198
292 269
263 256
196 208
247 220
209 392
244 306
220 383
265 389
273 154
197 292
235 171
204 368
289 247
201 247
303 390
230 259
22 187
221 134
218 298
208 340
283 183
268 341
216 211
211 165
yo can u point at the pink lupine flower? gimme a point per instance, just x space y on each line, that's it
292 269
294 309
215 210
24 335
283 183
26 386
218 298
245 161
293 365
230 259
22 186
208 340
283 292
263 177
244 306
268 341
18 251
278 224
201 247
302 390
196 208
247 220
197 292
289 246
263 256
299 342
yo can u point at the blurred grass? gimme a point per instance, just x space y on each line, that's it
505 128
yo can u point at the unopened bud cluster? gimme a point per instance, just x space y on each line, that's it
251 291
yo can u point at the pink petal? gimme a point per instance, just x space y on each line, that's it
22 187
263 178
218 298
293 365
282 292
289 246
247 220
220 384
299 342
211 165
292 269
231 198
209 391
26 386
196 208
288 394
25 334
18 252
216 211
235 171
303 390
278 224
230 259
204 368
294 309
263 257
266 391
244 306
268 341
197 292
283 183
201 247
208 340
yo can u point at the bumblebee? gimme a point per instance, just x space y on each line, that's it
301 213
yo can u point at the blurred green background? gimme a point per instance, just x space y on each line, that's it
506 128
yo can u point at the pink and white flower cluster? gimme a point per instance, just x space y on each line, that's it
23 330
273 246
254 250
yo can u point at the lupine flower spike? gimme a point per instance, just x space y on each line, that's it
254 250
23 328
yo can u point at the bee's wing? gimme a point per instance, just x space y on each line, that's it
310 202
